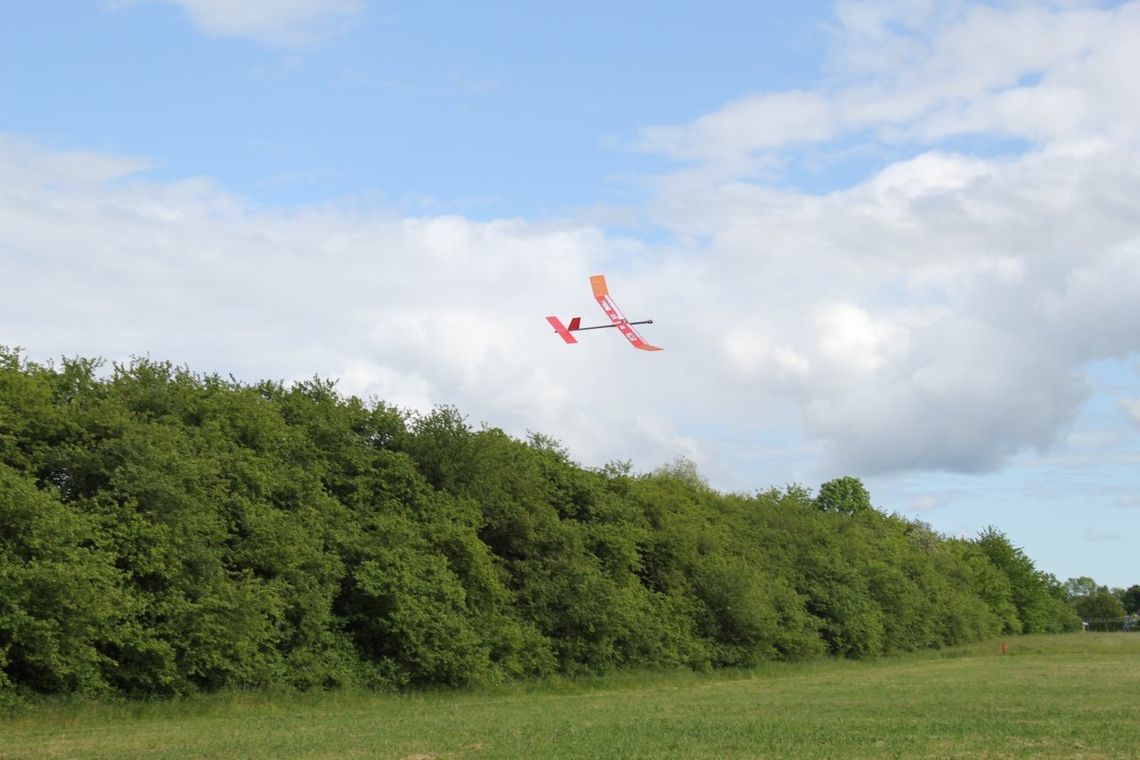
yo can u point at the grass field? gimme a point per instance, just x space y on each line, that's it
1050 696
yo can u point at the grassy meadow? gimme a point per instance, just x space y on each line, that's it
1075 695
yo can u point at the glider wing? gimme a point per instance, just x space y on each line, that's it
602 294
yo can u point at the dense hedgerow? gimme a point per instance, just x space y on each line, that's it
163 532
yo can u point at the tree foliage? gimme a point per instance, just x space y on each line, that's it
1039 599
1130 599
163 532
845 495
1100 606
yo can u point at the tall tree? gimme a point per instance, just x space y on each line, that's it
1100 607
1131 599
846 495
1075 588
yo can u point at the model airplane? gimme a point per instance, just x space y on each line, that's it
602 294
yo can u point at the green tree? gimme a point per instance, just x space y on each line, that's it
845 495
1100 608
163 532
60 600
1076 588
1131 599
684 469
1037 596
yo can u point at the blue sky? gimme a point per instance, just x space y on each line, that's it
498 109
899 240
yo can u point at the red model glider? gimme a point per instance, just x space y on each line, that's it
602 294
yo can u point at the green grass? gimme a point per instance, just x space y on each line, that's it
1050 696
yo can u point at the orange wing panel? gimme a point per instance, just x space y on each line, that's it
598 283
602 294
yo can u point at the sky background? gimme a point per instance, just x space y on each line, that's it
896 240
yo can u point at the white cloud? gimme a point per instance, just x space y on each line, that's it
851 340
940 312
924 503
921 72
728 137
937 315
25 160
98 260
1131 407
288 23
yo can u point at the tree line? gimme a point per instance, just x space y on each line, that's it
1101 607
164 532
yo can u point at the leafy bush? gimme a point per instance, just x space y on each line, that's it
163 533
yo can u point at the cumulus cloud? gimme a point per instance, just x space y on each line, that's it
98 259
941 67
935 315
906 73
288 23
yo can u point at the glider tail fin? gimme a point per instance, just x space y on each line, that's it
560 328
575 324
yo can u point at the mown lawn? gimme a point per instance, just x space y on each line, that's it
1050 696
